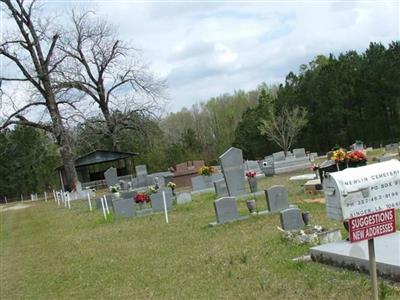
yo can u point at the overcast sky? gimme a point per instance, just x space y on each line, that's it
208 48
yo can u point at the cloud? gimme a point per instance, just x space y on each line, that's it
207 49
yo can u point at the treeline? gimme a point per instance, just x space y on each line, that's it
347 97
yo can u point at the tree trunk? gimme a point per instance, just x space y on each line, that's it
69 166
63 142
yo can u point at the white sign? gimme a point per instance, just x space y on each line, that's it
368 189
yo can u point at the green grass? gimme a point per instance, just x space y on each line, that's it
49 252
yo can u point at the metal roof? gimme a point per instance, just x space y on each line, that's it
100 156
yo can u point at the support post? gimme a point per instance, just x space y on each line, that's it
165 207
106 204
372 269
103 208
90 203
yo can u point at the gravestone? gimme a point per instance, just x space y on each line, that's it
182 198
201 182
127 194
226 211
394 147
233 170
124 208
279 156
141 175
111 176
267 166
358 146
125 185
220 188
109 202
277 198
252 165
291 219
301 152
157 202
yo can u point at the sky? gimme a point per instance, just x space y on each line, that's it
208 48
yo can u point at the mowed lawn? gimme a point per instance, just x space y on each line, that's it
49 252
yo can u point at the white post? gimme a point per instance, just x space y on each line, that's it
54 196
90 204
165 207
106 204
69 200
31 197
64 199
104 209
58 198
61 180
22 198
45 196
5 198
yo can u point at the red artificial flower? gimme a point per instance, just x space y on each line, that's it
250 174
142 198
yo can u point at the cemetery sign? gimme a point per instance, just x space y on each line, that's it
372 225
356 192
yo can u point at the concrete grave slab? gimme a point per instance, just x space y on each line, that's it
355 255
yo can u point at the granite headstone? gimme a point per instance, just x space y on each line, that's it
157 202
277 198
182 198
291 219
124 208
233 170
111 176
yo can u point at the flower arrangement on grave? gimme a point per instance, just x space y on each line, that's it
339 155
314 168
114 188
206 171
152 190
251 178
250 174
357 156
171 185
142 198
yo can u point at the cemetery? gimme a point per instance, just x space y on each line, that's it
282 229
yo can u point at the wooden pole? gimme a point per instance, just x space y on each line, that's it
372 269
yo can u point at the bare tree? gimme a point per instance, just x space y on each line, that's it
110 73
32 51
284 127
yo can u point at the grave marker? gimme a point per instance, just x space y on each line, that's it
291 219
277 198
182 198
111 176
124 208
226 211
233 170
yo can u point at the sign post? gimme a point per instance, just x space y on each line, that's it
372 269
368 227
